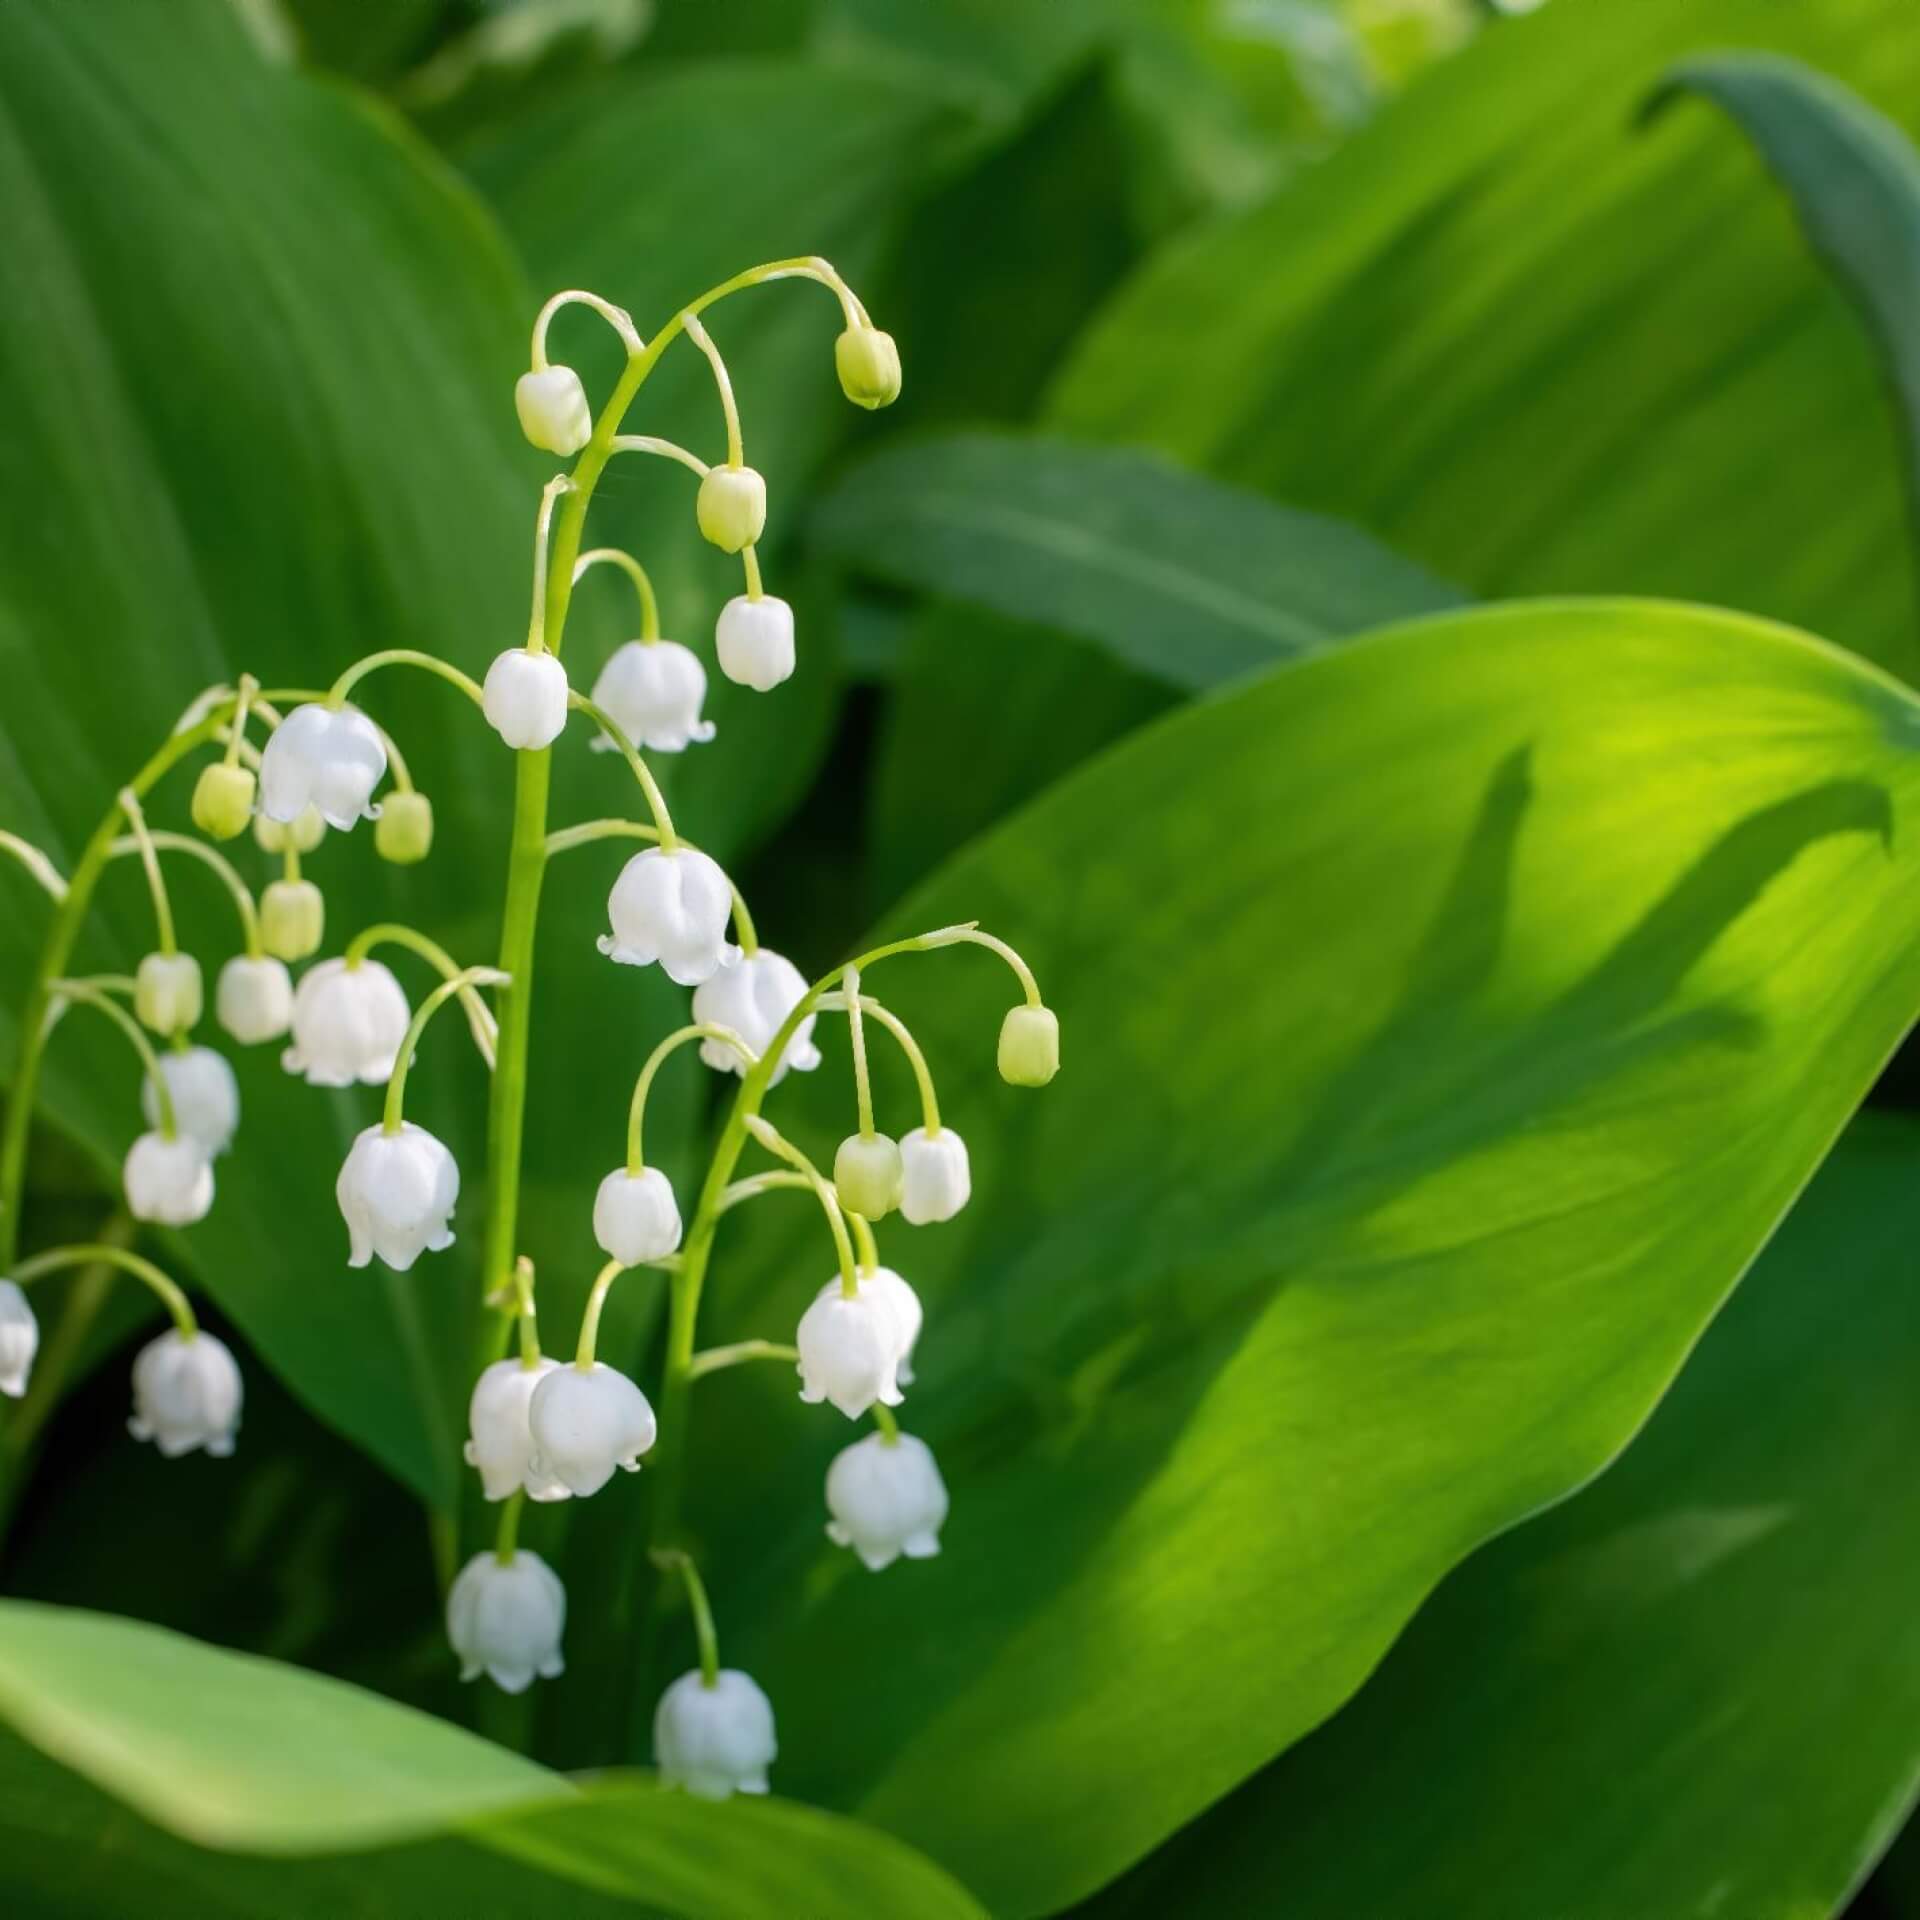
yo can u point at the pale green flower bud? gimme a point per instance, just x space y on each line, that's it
867 1174
553 410
868 363
293 919
302 834
1029 1046
167 993
732 508
223 801
404 832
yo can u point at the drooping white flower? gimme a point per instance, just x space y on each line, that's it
754 639
500 1442
186 1394
887 1498
293 919
169 1182
253 999
903 1304
673 908
167 994
754 997
866 1174
850 1348
717 1740
635 1216
586 1421
206 1097
936 1180
505 1618
330 758
525 698
397 1192
348 1024
654 690
553 410
732 507
19 1339
1029 1053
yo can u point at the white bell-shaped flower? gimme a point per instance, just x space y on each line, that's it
887 1498
902 1307
935 1178
186 1394
673 908
585 1422
348 1024
169 1182
525 698
253 999
506 1618
850 1348
553 410
754 997
754 639
397 1192
19 1339
500 1442
653 689
714 1741
167 993
330 758
206 1097
635 1216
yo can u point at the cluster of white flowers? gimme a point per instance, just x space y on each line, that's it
541 1429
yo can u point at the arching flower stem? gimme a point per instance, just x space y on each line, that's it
161 841
775 1142
637 1111
649 787
642 584
673 1559
397 1085
590 1319
922 1073
394 933
36 863
102 1255
90 993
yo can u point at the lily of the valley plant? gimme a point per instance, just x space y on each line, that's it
541 1428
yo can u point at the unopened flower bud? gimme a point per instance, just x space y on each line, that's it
253 999
348 1023
585 1421
868 363
553 410
887 1498
19 1339
186 1395
403 835
1029 1046
653 690
293 919
397 1193
223 800
936 1180
302 833
714 1741
167 994
506 1618
500 1442
753 997
850 1350
754 639
635 1216
866 1174
331 758
205 1096
169 1182
525 698
732 508
673 908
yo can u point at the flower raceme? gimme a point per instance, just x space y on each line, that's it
542 1429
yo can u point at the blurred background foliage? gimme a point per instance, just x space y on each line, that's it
1450 1019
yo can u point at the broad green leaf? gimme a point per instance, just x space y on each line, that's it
1854 178
243 1754
1179 577
1584 1719
1411 1129
1540 350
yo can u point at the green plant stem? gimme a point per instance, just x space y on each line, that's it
101 1254
36 863
506 1542
637 1112
56 950
336 695
642 584
84 993
391 1120
590 1319
217 862
922 1073
675 1559
394 933
718 1359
